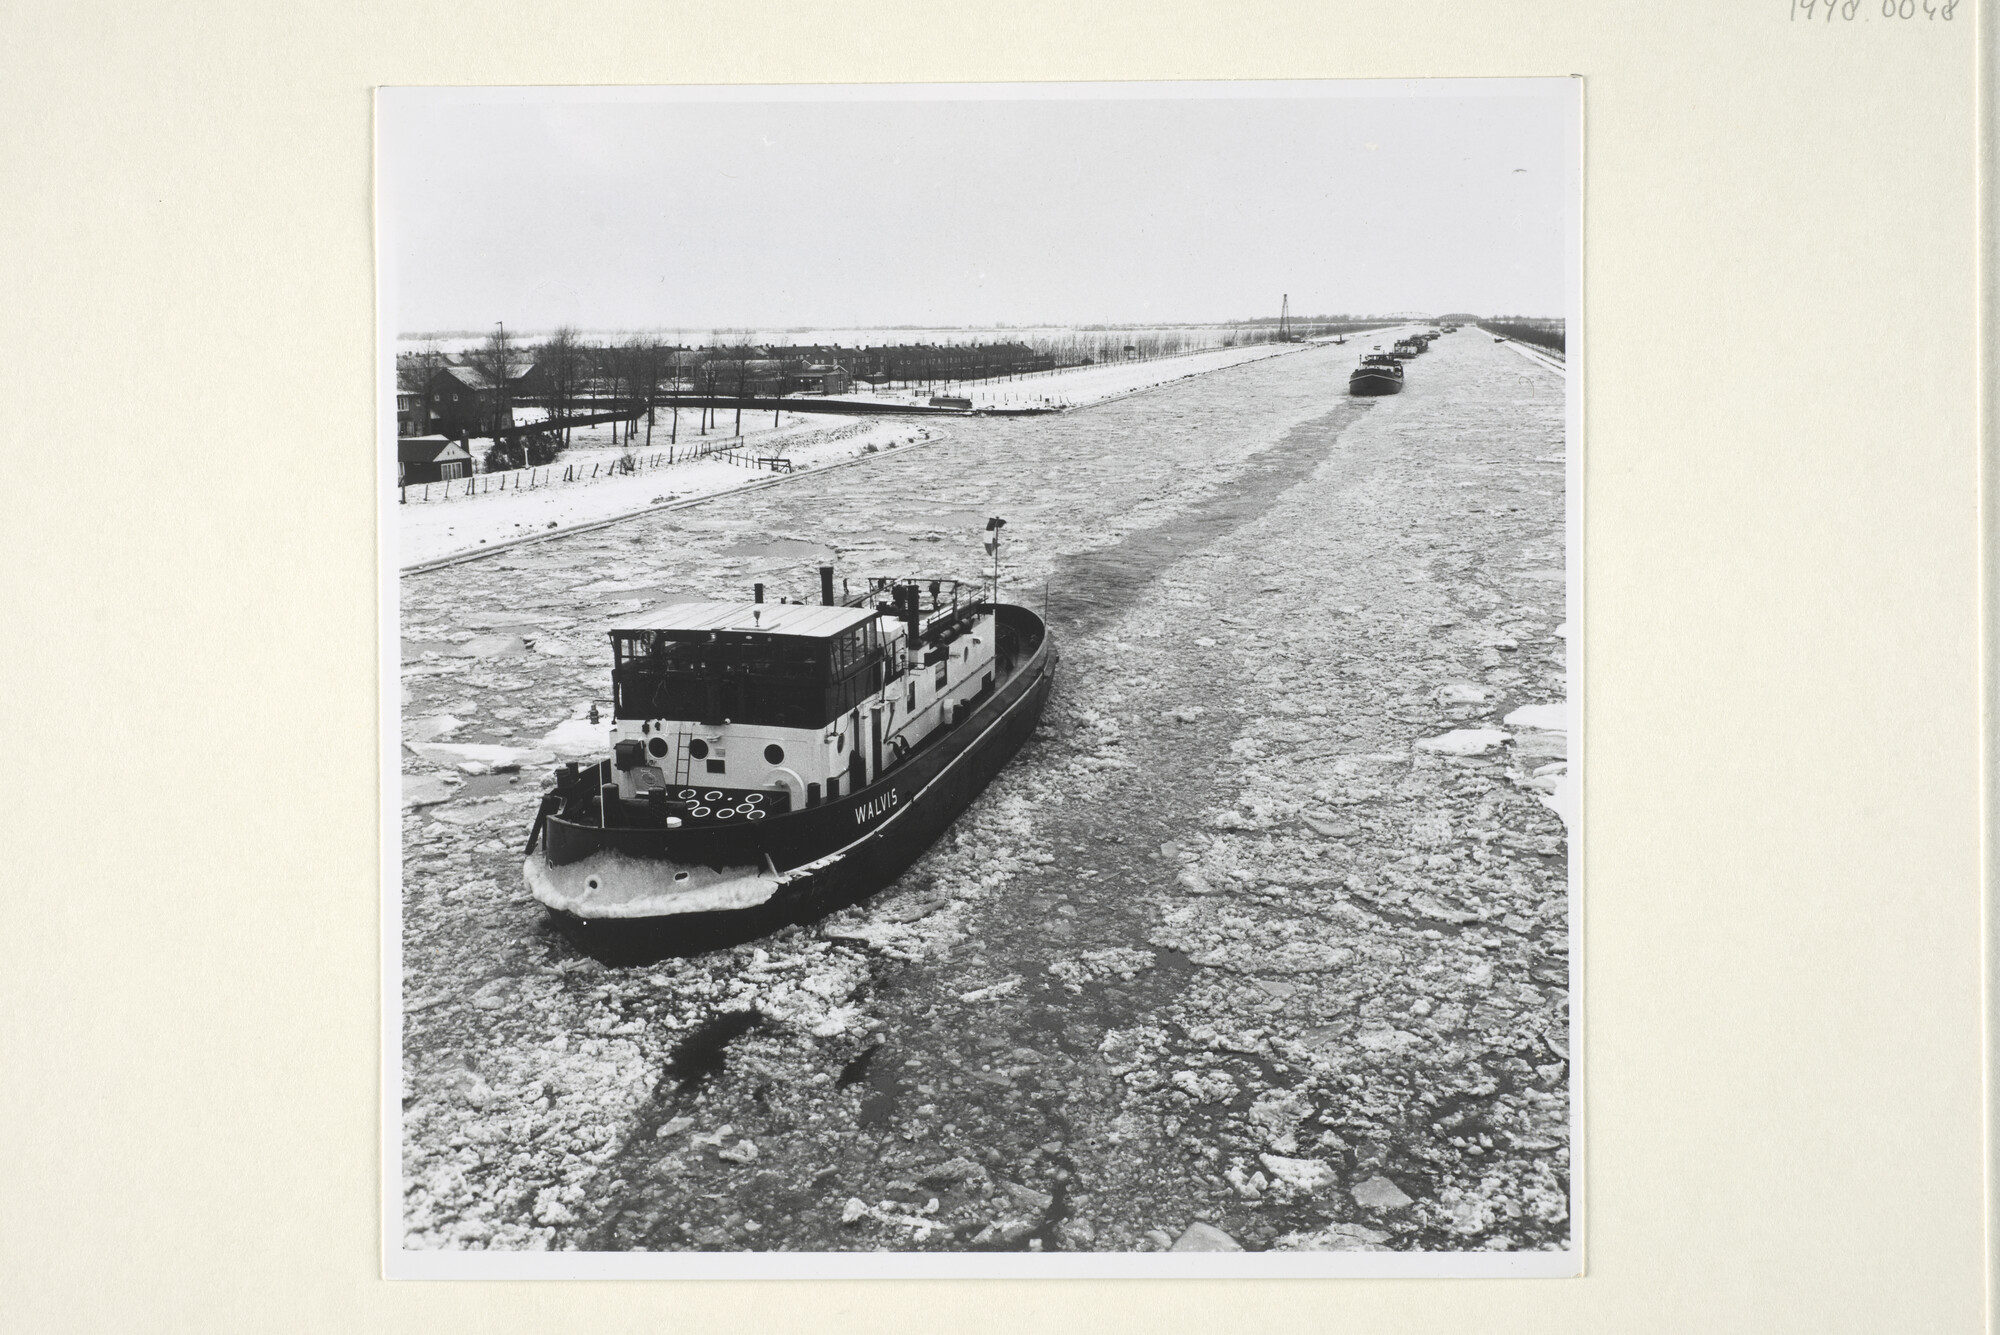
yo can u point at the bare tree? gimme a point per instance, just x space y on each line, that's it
706 373
495 361
415 369
562 365
742 352
681 367
645 364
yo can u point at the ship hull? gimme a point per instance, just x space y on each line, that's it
657 888
1362 382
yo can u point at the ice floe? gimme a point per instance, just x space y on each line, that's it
1549 718
1465 741
577 739
495 757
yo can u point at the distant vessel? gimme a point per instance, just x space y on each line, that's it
1405 349
1379 373
772 761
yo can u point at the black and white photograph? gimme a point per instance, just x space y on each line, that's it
983 679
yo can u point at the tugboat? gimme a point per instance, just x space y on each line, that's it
1405 349
1379 373
771 762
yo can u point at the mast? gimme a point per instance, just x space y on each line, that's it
993 527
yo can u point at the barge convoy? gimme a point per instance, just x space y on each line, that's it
770 762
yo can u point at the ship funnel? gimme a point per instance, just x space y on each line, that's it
826 586
756 593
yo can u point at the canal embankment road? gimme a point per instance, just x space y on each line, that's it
1266 931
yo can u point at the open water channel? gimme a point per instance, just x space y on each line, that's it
1237 942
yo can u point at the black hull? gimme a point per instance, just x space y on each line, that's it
1374 384
808 862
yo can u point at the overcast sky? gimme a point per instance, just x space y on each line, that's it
639 209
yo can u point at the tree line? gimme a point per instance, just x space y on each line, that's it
1548 334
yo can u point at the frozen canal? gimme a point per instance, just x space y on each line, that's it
1265 931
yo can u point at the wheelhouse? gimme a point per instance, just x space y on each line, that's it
793 667
752 709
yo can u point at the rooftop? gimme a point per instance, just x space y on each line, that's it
802 619
428 449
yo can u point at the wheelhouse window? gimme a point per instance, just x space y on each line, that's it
745 677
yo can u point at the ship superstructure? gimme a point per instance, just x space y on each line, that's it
770 760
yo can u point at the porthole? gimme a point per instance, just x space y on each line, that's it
775 754
657 747
698 748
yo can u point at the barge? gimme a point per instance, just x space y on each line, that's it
768 763
1378 373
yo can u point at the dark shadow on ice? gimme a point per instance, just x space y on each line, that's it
1092 586
700 1054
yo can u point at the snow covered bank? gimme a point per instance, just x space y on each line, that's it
1546 360
428 532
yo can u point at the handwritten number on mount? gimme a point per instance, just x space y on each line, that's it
1849 10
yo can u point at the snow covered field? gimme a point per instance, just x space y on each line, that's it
1263 942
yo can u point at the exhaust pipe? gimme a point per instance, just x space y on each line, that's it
826 586
756 593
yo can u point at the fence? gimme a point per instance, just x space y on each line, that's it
627 465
